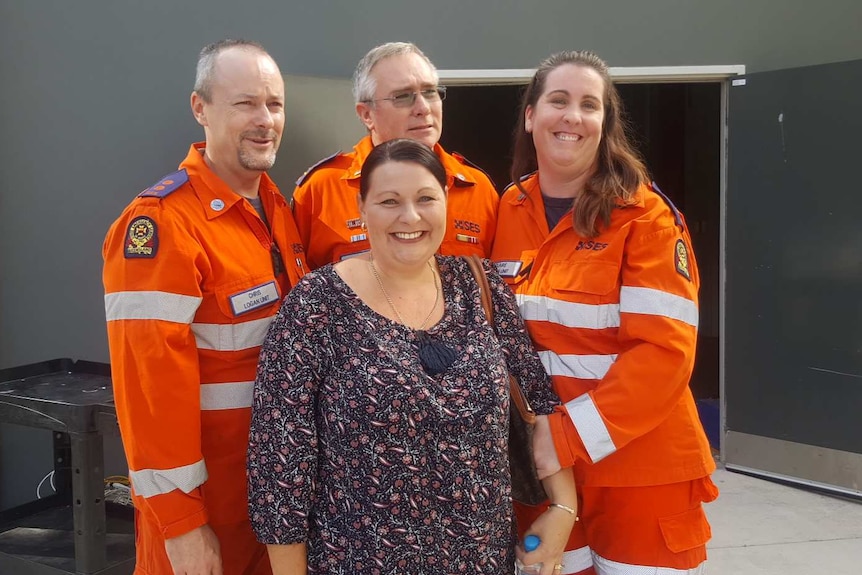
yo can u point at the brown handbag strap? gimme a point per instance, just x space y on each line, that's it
515 392
475 263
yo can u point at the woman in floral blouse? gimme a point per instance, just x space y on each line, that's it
380 416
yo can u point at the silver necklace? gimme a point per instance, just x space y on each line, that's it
392 304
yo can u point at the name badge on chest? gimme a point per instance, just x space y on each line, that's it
255 298
509 269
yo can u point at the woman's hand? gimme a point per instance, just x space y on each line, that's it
544 452
553 528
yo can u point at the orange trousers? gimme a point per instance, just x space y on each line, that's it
647 527
625 529
241 553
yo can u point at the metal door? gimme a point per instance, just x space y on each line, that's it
793 315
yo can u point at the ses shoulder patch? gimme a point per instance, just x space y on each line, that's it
142 239
680 258
314 167
166 185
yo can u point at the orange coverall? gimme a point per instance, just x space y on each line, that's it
327 214
614 319
190 290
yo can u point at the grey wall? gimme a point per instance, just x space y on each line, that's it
94 107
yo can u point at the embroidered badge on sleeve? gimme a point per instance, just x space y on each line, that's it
142 239
681 259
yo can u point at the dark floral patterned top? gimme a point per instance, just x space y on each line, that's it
377 466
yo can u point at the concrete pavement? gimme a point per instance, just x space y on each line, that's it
761 527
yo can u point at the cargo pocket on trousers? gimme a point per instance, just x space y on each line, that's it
685 530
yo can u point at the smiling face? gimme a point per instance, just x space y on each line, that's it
244 117
566 121
422 122
405 212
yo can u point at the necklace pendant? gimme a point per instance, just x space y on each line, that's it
435 356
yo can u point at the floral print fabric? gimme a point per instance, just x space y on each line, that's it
379 467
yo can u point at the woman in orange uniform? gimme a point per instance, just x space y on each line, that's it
605 278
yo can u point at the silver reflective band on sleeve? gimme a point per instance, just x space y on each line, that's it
226 395
580 366
156 305
590 426
576 560
150 482
656 302
568 314
231 337
606 566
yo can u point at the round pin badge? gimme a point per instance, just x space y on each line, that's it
217 205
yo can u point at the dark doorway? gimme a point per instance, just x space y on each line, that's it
677 128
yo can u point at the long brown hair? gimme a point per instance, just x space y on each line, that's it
620 169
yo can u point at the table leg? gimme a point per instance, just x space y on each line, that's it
88 502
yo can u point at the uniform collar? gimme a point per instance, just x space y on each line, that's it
360 151
215 195
455 172
531 184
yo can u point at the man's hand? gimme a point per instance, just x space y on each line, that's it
544 453
195 553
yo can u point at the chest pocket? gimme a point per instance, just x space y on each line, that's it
598 281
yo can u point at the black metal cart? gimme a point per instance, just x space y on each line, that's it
74 531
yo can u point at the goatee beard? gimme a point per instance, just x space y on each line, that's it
256 163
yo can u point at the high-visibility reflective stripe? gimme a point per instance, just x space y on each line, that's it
157 305
580 366
151 482
231 337
607 567
226 395
576 560
568 314
656 302
585 415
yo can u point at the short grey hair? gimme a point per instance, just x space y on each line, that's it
364 84
207 60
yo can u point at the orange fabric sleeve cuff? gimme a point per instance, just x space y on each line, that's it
185 524
567 442
176 512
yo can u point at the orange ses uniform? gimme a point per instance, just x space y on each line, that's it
327 214
614 319
190 290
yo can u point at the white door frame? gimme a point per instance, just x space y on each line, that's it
651 75
626 75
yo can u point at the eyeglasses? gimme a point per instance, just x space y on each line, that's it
407 99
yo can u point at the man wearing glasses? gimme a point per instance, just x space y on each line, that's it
397 95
